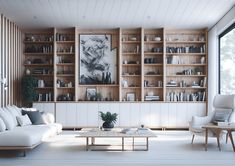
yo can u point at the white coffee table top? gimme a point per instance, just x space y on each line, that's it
116 132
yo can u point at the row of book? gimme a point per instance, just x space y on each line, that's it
152 98
45 96
184 96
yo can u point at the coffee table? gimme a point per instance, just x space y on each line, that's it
217 129
92 133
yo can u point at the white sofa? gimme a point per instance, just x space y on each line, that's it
28 136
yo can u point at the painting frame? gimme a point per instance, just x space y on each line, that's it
130 96
97 59
91 94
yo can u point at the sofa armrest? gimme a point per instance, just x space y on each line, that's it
48 118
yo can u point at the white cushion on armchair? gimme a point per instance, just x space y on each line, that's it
197 122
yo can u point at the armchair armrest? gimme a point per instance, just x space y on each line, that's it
48 118
198 121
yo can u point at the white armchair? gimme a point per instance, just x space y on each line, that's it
224 104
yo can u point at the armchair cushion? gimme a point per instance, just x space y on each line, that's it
221 115
198 121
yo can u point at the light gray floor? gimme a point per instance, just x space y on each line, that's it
169 148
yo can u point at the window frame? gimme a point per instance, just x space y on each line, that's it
226 31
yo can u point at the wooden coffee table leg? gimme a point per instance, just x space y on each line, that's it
206 139
122 143
87 143
218 136
147 143
231 138
92 140
133 143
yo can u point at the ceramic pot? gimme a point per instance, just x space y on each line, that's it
107 126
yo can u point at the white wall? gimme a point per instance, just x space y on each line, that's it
213 54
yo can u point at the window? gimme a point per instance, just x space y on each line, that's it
227 61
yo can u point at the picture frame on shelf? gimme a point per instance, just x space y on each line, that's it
91 94
130 96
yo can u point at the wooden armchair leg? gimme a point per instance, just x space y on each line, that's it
192 139
227 138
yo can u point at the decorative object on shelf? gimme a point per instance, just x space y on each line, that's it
41 83
91 94
96 57
198 71
130 96
27 72
109 120
28 91
202 60
124 83
157 38
66 97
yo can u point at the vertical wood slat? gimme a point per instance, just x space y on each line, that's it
15 69
21 64
17 66
12 66
10 61
1 57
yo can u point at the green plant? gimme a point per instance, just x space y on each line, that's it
28 91
108 117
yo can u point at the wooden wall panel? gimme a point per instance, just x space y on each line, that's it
11 62
0 57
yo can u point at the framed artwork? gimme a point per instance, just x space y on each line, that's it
130 96
91 94
98 61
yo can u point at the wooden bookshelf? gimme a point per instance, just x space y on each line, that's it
147 62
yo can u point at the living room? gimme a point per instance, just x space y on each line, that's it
132 82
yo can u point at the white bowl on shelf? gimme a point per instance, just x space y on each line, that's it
157 39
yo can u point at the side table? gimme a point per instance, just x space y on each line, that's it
217 129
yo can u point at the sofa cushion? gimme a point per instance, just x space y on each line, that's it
14 113
34 116
28 135
2 125
23 120
221 115
7 119
17 109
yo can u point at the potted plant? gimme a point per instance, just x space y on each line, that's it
109 119
28 91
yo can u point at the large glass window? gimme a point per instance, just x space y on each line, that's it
227 61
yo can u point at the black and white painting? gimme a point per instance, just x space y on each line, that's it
97 60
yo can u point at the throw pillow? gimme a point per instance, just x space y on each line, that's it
7 119
2 125
222 115
34 116
23 120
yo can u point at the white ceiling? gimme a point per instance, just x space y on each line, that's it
115 13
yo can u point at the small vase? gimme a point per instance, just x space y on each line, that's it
107 126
